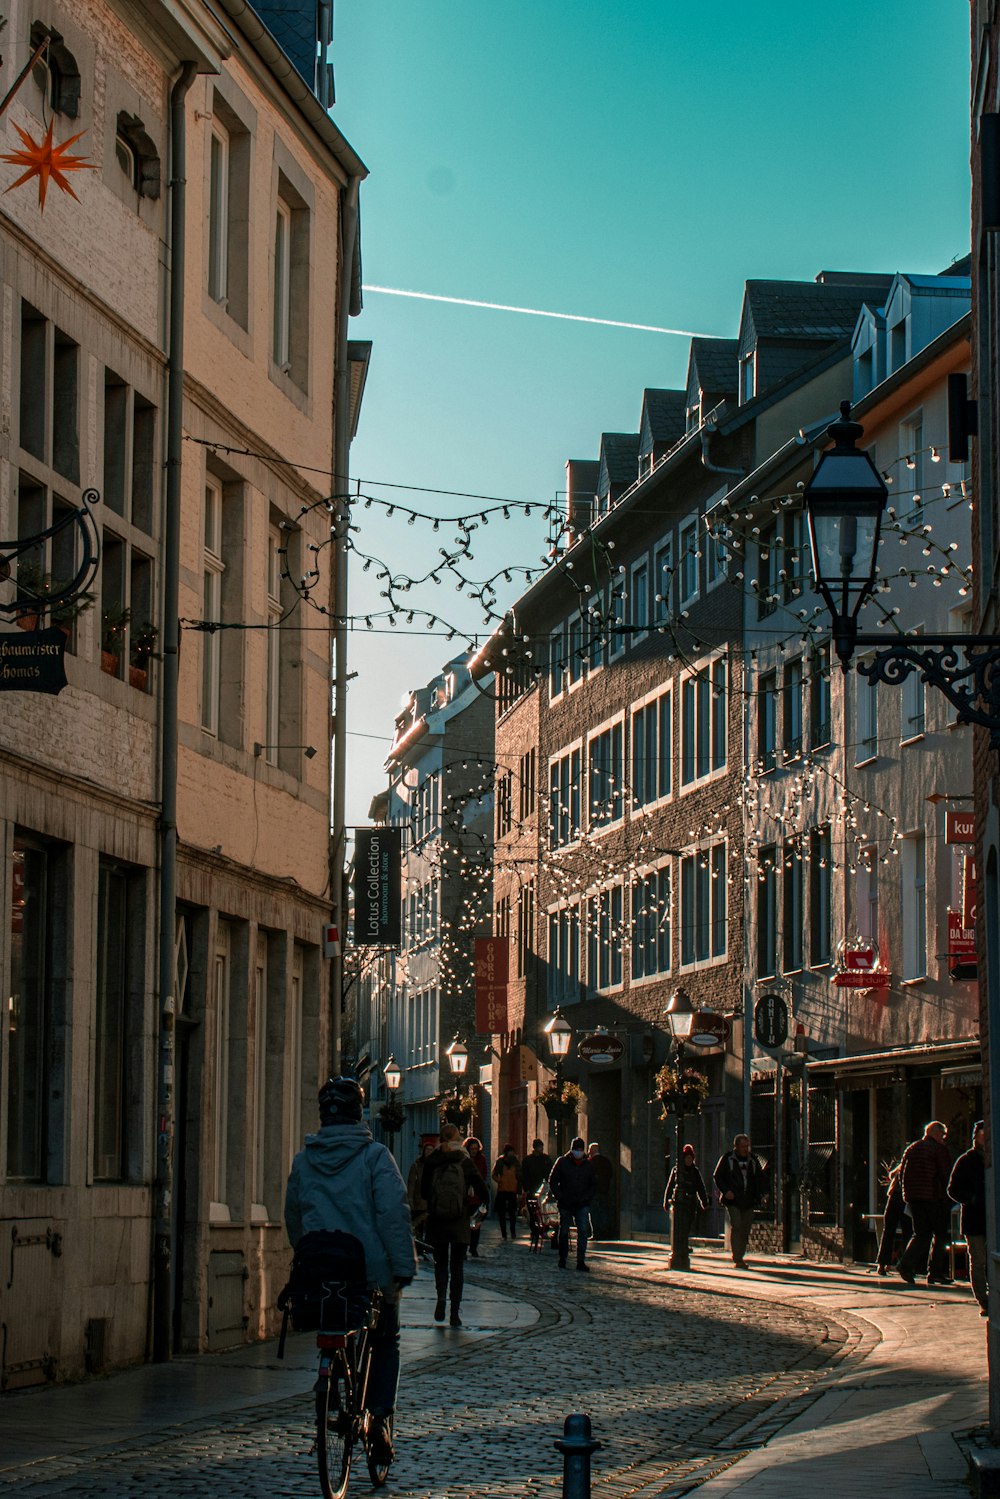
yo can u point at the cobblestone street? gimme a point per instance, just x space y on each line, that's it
680 1380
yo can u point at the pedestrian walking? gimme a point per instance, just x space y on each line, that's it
573 1184
451 1186
604 1178
686 1193
740 1180
535 1169
925 1170
344 1180
507 1175
414 1195
893 1220
475 1151
967 1185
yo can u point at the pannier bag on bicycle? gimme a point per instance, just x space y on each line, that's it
327 1287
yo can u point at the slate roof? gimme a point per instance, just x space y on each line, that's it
664 413
620 456
809 309
715 364
292 23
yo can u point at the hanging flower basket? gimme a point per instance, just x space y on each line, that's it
681 1091
458 1111
391 1116
561 1103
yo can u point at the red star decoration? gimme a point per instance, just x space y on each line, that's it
44 160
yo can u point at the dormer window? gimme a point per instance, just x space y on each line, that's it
693 417
56 72
136 155
748 378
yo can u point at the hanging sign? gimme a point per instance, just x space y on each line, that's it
709 1029
32 661
492 972
859 965
378 854
960 827
962 964
600 1047
770 1020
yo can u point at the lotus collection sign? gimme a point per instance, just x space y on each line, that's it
32 661
377 885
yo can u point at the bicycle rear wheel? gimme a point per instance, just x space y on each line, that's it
335 1427
378 1472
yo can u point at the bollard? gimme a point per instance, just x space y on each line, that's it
576 1445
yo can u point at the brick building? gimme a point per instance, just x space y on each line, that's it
191 383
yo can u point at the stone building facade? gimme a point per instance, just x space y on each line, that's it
92 319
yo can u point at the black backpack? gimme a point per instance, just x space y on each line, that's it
449 1194
327 1287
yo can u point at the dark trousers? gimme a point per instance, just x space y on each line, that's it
449 1270
895 1219
567 1217
383 1377
506 1208
931 1220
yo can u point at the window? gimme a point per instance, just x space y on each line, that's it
793 563
715 560
218 213
213 568
564 955
574 650
597 636
136 155
56 72
767 913
820 896
606 776
687 562
652 743
228 218
259 1173
282 284
651 924
866 718
272 714
866 896
116 1027
564 798
558 676
50 395
911 450
639 600
37 974
820 707
501 917
426 807
913 875
704 708
128 620
768 567
525 927
663 579
792 910
526 786
703 906
792 709
912 703
505 811
220 981
748 378
615 620
767 692
604 939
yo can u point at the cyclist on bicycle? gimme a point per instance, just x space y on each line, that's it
343 1179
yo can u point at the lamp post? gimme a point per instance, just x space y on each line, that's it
844 502
679 1016
392 1075
559 1033
458 1060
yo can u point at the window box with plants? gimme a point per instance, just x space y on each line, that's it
391 1115
114 636
35 589
561 1100
142 650
681 1090
458 1111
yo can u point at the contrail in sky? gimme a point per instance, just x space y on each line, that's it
569 317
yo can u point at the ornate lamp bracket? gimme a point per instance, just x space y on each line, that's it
965 668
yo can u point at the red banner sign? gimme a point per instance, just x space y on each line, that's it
961 948
960 827
492 971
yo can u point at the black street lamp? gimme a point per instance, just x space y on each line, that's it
559 1034
844 502
679 1016
458 1060
392 1075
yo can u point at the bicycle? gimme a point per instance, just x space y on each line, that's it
342 1417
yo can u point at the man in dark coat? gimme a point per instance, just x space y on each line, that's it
604 1177
452 1188
535 1168
740 1181
924 1173
685 1194
967 1185
573 1185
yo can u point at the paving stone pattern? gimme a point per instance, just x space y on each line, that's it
679 1383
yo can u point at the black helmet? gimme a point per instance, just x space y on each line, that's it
340 1101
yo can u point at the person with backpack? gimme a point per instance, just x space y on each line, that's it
451 1187
342 1180
507 1175
573 1183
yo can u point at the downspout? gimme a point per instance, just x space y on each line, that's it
714 468
341 524
163 1213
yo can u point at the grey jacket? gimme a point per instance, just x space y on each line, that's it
342 1179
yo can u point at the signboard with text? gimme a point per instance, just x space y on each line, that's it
961 948
859 965
600 1047
492 972
770 1020
377 882
32 661
960 827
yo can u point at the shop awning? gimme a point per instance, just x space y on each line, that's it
878 1069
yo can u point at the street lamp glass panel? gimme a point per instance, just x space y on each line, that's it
560 1034
844 538
458 1058
679 1016
392 1074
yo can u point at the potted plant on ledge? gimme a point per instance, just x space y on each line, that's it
113 636
142 650
681 1090
561 1100
35 588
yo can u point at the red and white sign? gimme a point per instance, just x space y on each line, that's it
961 947
492 972
960 827
859 965
331 942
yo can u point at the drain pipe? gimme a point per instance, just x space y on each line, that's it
341 533
163 1209
714 468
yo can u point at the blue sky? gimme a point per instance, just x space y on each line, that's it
636 163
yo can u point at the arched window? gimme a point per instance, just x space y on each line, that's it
136 155
56 71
